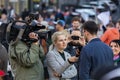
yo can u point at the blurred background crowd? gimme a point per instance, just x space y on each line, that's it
48 27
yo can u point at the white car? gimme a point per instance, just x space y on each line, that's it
111 5
102 3
86 14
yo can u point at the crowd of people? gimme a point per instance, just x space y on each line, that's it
52 49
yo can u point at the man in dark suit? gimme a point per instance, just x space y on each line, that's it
95 54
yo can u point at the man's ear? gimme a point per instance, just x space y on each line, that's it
86 32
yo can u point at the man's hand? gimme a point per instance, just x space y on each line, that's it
34 37
82 41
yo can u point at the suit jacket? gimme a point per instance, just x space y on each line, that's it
56 63
94 55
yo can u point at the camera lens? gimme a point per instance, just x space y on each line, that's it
75 37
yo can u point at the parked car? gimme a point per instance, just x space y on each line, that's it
87 14
111 5
107 4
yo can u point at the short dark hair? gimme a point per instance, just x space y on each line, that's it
90 26
76 19
74 30
110 25
117 41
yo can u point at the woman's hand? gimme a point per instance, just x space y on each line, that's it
56 74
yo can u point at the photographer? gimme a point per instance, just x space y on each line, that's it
38 25
26 60
36 20
76 42
74 46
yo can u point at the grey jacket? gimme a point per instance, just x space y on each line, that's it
3 58
56 63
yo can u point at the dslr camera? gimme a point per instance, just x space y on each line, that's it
74 43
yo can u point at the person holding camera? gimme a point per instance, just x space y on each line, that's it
60 64
27 60
76 42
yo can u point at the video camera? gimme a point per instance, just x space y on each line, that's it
21 30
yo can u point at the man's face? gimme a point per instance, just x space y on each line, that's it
58 27
118 26
76 38
3 17
75 24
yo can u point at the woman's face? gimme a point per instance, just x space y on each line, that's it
61 42
115 47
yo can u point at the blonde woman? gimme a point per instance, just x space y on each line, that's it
60 63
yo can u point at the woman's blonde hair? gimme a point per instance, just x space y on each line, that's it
55 36
54 39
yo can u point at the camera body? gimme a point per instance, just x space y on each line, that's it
75 42
23 25
75 37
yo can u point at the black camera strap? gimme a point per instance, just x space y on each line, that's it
20 34
8 31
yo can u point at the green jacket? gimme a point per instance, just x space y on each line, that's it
26 62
